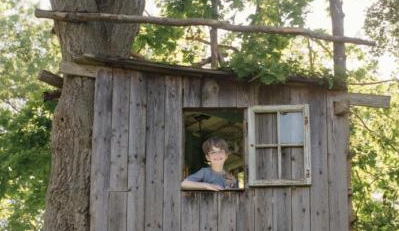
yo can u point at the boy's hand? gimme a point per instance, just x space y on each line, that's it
213 187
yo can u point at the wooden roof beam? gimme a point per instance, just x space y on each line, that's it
342 105
120 18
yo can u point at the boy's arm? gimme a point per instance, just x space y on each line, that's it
186 184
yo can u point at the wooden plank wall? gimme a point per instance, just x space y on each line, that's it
138 153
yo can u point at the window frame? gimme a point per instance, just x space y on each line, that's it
252 146
243 112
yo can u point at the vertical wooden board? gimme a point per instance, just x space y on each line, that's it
245 211
243 94
155 144
282 209
210 93
300 195
319 211
227 93
190 212
117 207
300 209
264 209
191 92
100 159
286 163
227 202
136 156
265 95
208 211
173 154
266 164
337 138
120 131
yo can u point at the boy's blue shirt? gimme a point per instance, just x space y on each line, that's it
209 176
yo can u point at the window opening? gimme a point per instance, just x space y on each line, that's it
201 124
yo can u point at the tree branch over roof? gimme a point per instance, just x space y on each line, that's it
121 18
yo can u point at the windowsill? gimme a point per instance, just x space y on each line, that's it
206 190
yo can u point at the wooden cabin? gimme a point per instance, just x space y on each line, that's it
289 150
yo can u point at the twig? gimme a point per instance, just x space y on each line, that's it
11 105
377 82
373 132
323 46
208 43
120 18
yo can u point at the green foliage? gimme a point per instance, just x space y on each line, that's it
266 57
24 163
26 47
375 172
382 24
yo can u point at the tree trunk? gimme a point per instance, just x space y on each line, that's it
67 199
337 19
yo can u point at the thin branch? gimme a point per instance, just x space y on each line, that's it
119 18
377 82
15 108
323 46
310 53
374 133
208 43
203 62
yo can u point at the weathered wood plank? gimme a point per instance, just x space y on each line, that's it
227 218
190 210
245 219
276 95
117 207
368 100
245 211
227 93
282 209
72 68
210 93
319 211
100 159
192 92
264 209
208 211
120 131
300 195
337 136
155 144
136 157
173 154
243 95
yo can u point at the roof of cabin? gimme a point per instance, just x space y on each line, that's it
168 69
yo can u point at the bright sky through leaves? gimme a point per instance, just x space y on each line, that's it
355 11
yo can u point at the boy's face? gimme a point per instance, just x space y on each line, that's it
216 156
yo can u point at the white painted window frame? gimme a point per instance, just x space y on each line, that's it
304 108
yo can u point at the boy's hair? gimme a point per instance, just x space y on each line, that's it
215 142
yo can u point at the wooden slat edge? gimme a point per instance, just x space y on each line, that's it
368 100
72 68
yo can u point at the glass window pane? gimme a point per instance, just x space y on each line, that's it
266 164
266 128
292 165
291 128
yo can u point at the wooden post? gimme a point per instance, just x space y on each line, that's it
214 36
337 18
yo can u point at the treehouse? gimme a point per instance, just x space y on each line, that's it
289 149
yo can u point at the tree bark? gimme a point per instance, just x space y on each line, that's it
337 19
67 199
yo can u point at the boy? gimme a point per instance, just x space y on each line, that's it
214 177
